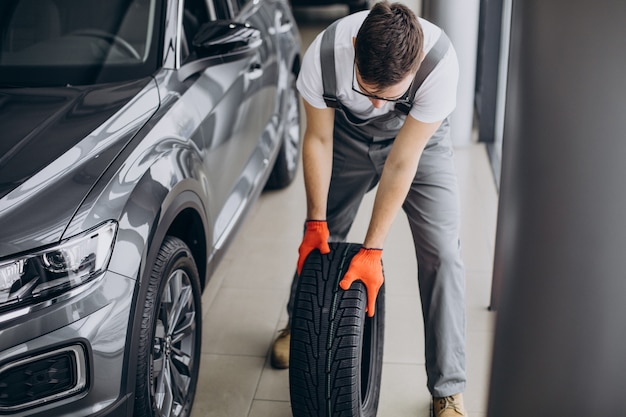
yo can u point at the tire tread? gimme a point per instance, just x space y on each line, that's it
326 341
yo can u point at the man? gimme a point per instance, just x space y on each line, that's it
378 87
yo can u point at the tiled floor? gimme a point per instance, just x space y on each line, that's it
245 302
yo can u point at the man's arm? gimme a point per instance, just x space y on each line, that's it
317 158
397 176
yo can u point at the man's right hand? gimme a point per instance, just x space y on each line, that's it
316 236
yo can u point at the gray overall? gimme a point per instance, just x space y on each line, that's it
360 149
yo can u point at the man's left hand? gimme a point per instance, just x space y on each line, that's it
366 266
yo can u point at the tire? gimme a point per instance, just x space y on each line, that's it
336 351
286 165
168 360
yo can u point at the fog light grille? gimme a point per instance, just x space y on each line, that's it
42 378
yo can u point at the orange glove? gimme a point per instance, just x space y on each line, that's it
366 266
316 236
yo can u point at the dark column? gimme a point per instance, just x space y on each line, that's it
560 270
487 67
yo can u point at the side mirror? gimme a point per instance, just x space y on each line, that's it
222 37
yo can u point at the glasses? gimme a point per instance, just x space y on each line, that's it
402 99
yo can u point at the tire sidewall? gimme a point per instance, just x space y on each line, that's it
373 342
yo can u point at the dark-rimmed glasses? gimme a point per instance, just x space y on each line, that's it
402 99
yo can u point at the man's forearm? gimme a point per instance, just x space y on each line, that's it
398 174
392 191
317 159
317 166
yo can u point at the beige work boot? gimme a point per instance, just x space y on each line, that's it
451 406
280 350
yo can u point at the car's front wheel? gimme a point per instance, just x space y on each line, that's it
170 335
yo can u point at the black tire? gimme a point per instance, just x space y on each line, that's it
168 359
286 165
336 351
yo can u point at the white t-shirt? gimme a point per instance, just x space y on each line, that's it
434 100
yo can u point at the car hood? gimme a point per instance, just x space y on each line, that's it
55 143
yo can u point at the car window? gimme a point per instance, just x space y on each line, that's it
195 14
88 40
223 9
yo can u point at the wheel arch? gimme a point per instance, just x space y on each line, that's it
183 216
189 227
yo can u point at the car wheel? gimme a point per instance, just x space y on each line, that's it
286 165
170 335
336 351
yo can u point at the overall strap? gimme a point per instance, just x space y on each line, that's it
429 63
327 59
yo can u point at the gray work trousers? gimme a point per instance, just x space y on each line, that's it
432 208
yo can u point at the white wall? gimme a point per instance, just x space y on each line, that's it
459 18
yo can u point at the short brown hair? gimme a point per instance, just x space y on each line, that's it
388 45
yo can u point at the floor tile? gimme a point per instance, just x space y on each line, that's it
403 391
479 348
273 385
404 340
241 322
226 385
478 298
262 408
271 268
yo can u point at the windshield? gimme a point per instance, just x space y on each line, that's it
77 42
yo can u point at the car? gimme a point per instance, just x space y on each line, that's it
353 5
136 136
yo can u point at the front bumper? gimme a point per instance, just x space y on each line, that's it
66 357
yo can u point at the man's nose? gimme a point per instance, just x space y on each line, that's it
377 103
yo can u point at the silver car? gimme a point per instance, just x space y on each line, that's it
135 135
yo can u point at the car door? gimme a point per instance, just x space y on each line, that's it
261 15
225 86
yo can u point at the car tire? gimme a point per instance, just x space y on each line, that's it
286 165
168 359
336 351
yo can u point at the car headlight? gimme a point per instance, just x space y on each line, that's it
44 274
